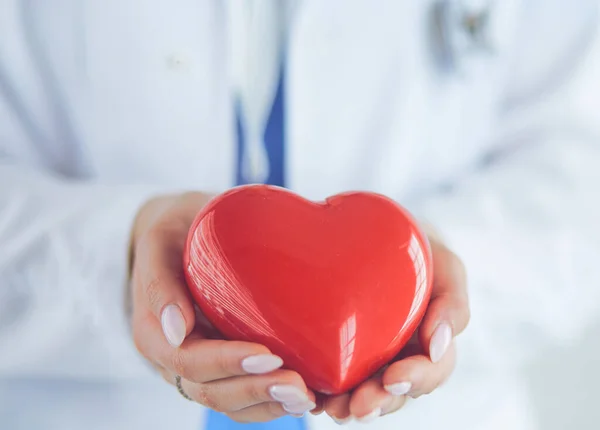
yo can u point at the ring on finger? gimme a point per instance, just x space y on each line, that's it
180 388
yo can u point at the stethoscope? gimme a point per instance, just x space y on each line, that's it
460 29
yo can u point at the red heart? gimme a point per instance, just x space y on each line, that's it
335 288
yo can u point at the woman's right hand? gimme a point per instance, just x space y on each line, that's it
240 379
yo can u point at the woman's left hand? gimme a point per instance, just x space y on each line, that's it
427 360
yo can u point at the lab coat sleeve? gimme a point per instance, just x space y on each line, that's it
63 270
526 224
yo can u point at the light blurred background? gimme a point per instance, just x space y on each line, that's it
564 383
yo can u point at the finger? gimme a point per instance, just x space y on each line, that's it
319 400
448 311
318 410
418 375
233 394
369 400
338 408
396 404
202 360
261 413
167 375
159 283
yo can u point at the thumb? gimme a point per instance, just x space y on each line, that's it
448 311
158 278
160 287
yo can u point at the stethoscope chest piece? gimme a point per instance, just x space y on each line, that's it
460 30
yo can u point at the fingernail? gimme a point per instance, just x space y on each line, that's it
442 336
288 394
298 408
342 421
263 363
399 389
173 325
370 417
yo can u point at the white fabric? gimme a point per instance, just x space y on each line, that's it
256 46
258 36
104 103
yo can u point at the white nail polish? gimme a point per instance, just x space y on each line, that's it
173 325
370 417
440 341
342 421
288 394
399 389
259 364
298 408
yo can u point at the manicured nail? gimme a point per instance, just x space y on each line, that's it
264 363
173 325
370 417
440 341
399 389
342 421
288 394
298 408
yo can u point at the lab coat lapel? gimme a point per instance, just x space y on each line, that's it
390 141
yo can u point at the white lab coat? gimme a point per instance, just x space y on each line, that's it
106 103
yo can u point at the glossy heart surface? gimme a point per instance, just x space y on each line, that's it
335 288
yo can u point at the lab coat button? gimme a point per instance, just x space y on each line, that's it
177 62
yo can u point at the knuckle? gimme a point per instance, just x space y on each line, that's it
178 363
255 392
200 395
152 290
204 395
